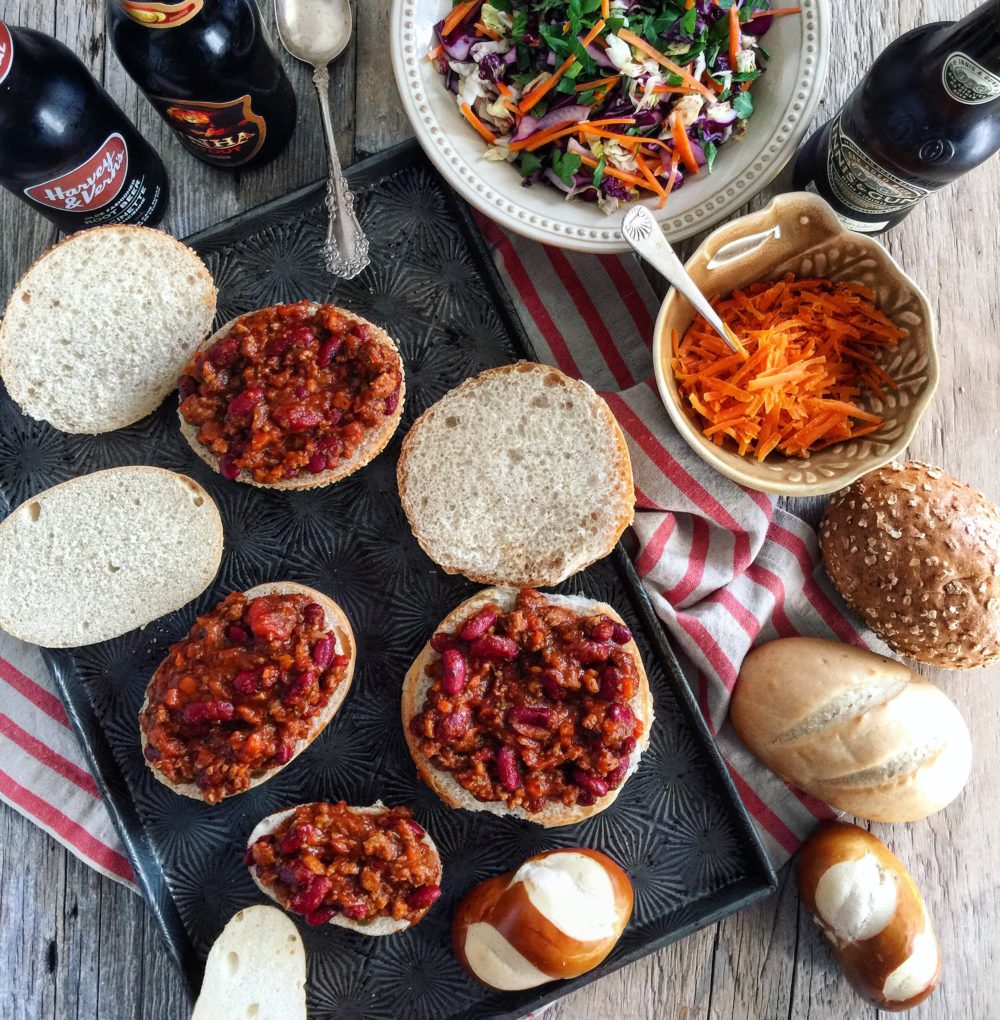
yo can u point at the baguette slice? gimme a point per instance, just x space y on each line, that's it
99 327
104 553
255 969
337 621
377 926
374 442
518 477
443 783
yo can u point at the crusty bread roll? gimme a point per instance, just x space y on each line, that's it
443 783
97 330
556 917
855 729
377 926
518 477
104 553
255 969
872 915
916 553
337 621
374 442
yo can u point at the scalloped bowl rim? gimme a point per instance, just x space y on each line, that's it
708 451
542 214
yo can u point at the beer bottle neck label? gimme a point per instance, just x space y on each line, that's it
90 186
968 82
6 51
862 184
154 15
229 133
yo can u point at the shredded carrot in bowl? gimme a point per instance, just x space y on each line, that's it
812 359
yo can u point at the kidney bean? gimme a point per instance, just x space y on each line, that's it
507 771
294 873
354 911
224 352
441 641
328 350
620 713
283 755
300 688
237 634
616 776
277 345
452 727
628 745
247 681
186 385
302 336
550 684
391 402
299 836
228 467
248 857
611 684
529 717
585 799
477 625
321 916
602 629
622 635
242 405
593 785
415 827
322 653
196 712
312 896
314 614
495 646
590 652
150 753
423 897
317 463
297 417
453 671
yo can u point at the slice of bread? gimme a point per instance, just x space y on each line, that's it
256 970
443 783
374 442
104 553
518 477
376 926
100 326
337 621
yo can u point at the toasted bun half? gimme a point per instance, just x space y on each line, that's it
443 783
378 925
518 477
98 328
104 553
374 442
255 968
337 621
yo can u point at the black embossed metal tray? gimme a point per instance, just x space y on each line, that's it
678 826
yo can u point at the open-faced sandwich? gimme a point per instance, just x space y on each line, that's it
252 685
528 704
292 396
371 869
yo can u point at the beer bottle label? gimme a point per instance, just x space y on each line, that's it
223 132
862 184
162 15
6 51
92 185
968 81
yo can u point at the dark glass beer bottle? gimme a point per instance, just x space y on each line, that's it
927 112
65 147
210 72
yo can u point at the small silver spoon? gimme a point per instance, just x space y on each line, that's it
316 32
643 233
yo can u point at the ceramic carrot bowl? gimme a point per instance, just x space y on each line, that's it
799 234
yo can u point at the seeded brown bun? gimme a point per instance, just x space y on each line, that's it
376 926
337 621
916 553
443 783
374 442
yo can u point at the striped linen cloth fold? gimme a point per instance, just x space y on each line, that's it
724 567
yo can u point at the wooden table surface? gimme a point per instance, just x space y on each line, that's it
73 944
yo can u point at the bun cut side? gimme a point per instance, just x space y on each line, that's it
97 330
102 554
518 477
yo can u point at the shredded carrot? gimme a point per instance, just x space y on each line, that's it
683 144
487 31
688 4
457 16
640 44
777 12
536 141
504 90
477 123
808 373
679 89
735 36
636 182
436 52
612 79
654 184
606 8
536 94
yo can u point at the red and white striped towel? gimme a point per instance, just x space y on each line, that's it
724 567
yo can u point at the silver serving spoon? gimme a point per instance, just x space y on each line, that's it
316 32
643 233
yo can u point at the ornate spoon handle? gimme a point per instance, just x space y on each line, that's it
346 248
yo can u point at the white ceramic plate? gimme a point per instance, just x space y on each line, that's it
785 99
